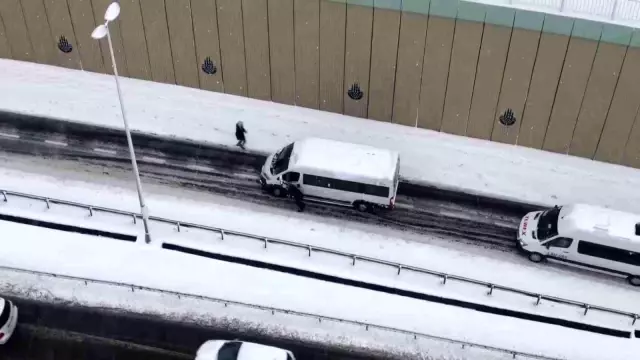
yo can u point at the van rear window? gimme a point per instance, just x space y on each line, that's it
609 253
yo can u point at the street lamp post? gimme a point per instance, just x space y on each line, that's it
100 32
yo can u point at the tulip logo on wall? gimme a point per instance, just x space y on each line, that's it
354 92
209 67
64 45
507 118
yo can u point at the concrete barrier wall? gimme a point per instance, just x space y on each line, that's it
539 80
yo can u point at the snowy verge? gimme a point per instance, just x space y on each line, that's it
427 157
231 316
71 254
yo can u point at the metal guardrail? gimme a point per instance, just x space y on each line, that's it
273 311
355 258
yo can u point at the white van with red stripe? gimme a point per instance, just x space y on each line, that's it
584 235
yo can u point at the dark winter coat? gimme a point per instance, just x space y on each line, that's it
240 131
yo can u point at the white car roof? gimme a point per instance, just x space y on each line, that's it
598 220
248 351
345 160
252 351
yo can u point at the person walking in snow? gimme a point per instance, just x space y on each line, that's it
240 131
297 195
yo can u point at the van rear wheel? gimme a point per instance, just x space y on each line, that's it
634 280
536 257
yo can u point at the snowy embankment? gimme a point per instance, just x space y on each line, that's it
175 204
102 259
427 157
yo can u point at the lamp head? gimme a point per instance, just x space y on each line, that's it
112 11
99 32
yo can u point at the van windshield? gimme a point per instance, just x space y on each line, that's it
548 224
280 160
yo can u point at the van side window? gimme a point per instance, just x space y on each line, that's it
291 177
609 253
561 242
345 185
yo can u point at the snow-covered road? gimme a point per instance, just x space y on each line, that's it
438 159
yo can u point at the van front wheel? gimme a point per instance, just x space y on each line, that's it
361 206
634 280
536 257
278 191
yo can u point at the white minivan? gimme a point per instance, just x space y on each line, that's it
8 320
335 172
584 235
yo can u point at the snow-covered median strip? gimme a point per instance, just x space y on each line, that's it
237 316
318 262
442 160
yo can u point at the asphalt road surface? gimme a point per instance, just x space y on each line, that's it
235 174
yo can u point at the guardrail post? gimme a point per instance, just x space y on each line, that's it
319 320
635 318
4 195
491 286
514 355
222 234
178 226
539 298
135 219
48 204
399 269
90 211
586 308
266 242
353 263
444 279
309 248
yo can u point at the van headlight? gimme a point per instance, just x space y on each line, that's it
522 243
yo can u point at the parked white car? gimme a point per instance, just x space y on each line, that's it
8 320
240 350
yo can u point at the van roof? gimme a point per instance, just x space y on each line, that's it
599 221
345 160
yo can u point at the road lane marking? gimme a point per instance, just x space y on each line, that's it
106 151
200 168
153 160
53 142
13 136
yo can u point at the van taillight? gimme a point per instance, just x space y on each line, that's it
392 202
1 335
